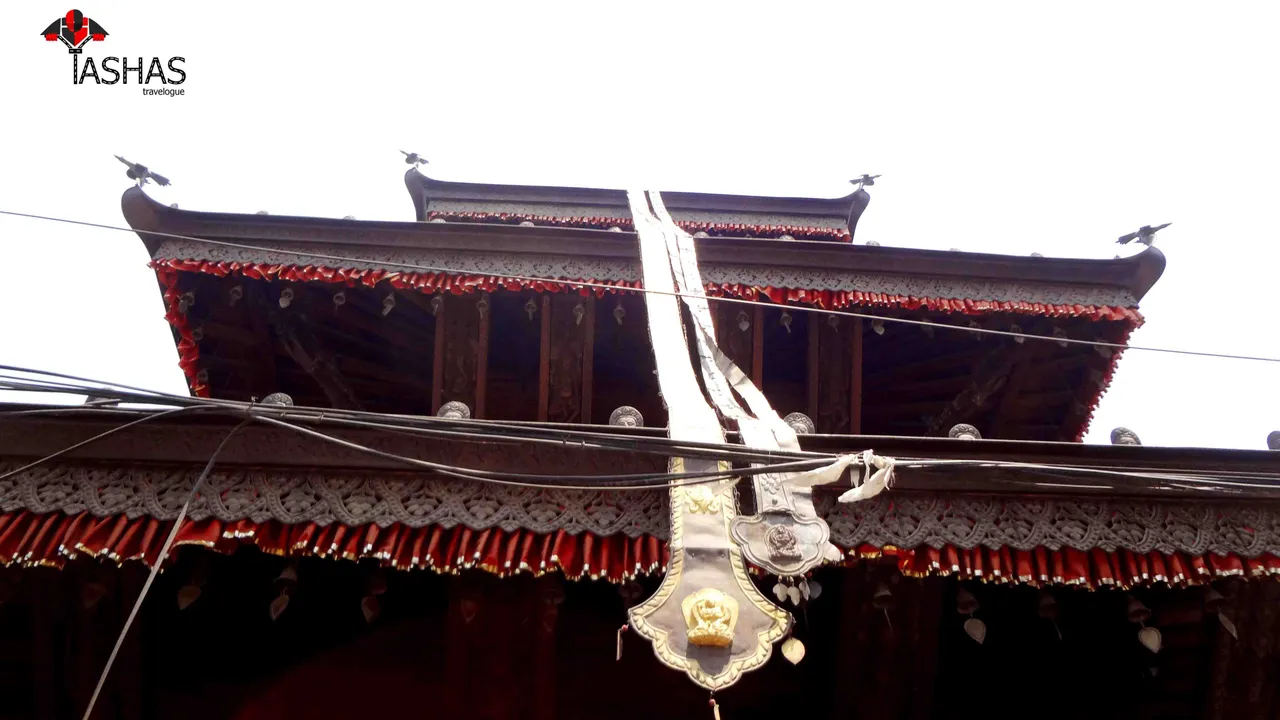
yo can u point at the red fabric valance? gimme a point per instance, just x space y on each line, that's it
189 350
799 232
53 539
50 540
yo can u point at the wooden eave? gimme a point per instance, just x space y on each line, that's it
190 440
356 238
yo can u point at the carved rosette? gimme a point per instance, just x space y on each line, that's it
626 416
801 423
1124 436
455 410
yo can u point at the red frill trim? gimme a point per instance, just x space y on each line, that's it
429 283
799 232
51 540
1091 569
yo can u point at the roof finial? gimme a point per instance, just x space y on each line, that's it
1145 235
413 158
142 174
864 181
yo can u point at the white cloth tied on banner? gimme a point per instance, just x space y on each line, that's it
873 485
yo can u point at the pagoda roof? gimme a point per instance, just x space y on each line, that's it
761 262
717 214
1084 299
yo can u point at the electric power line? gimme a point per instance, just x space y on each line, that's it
468 429
1224 482
617 288
155 567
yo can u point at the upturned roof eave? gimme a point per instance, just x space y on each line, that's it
153 220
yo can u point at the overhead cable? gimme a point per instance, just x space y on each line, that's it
616 288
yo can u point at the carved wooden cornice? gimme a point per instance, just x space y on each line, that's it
899 519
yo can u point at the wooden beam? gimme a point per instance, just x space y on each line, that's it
946 386
257 318
355 367
482 359
544 359
305 350
757 347
988 377
350 318
588 356
1023 368
855 394
815 325
1044 399
926 366
437 362
217 330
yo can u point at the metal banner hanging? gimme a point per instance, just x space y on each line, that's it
785 536
707 618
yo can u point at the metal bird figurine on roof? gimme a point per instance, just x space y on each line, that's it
1145 235
143 174
864 181
413 158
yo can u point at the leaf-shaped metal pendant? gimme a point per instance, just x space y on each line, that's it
780 591
793 592
278 605
814 589
187 595
1150 638
804 589
1230 626
976 629
832 554
369 606
793 650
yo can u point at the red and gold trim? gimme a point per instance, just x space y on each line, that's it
167 270
1092 569
737 230
31 539
51 540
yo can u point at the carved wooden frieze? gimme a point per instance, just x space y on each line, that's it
568 336
735 332
907 520
577 267
462 319
835 350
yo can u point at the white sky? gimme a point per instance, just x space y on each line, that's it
999 127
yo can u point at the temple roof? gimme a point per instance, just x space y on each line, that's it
472 246
916 381
725 215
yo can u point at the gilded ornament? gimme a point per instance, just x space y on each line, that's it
702 500
710 616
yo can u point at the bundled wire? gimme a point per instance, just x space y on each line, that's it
274 416
297 420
